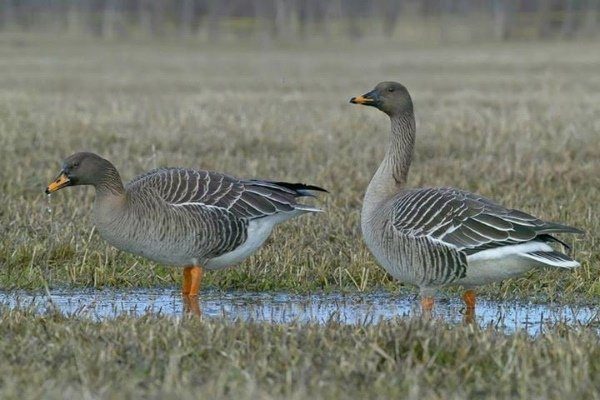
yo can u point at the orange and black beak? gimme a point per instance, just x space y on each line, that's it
60 182
369 99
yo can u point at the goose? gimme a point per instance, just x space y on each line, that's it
435 237
180 217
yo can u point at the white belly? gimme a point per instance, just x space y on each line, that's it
258 231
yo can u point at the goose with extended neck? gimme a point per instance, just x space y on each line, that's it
433 237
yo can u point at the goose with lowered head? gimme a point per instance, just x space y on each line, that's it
184 217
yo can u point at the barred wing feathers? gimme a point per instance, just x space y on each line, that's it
467 222
247 199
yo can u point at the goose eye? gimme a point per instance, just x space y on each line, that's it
75 165
390 89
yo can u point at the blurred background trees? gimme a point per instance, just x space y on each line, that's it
290 20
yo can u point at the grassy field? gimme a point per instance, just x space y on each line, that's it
54 357
518 123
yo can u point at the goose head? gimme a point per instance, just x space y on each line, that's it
390 97
80 169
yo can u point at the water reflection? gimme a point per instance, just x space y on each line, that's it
284 307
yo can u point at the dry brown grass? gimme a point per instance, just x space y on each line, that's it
54 357
518 123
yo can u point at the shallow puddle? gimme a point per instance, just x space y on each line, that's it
278 308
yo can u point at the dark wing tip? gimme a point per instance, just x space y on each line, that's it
301 188
549 238
553 227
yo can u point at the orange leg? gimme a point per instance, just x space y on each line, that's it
192 278
469 299
187 281
191 305
196 275
427 303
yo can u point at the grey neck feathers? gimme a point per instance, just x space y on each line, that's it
400 149
392 173
110 202
109 184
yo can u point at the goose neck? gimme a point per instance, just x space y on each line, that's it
392 173
110 191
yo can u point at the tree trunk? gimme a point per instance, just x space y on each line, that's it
186 17
8 14
590 22
145 16
503 14
109 19
283 21
389 11
216 11
568 25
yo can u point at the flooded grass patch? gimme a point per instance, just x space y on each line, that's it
286 308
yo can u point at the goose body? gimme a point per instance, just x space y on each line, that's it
184 217
433 237
438 236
